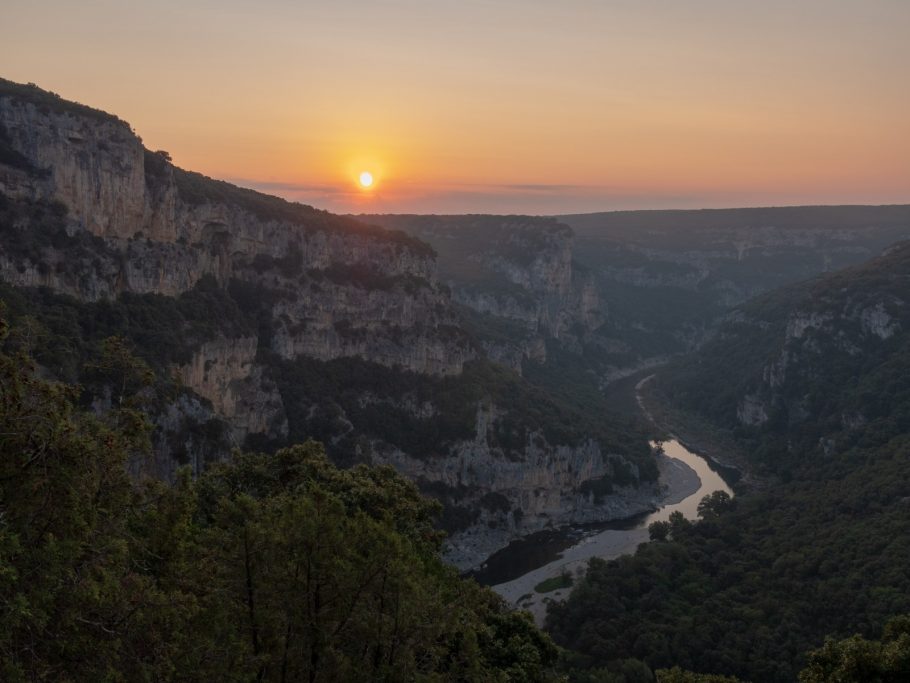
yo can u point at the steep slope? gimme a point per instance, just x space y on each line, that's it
801 371
515 278
267 322
164 229
235 576
814 383
666 277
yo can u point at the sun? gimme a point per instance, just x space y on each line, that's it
366 179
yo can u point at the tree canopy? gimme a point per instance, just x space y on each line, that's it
274 567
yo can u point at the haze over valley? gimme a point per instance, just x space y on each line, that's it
491 403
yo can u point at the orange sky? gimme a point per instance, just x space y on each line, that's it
497 105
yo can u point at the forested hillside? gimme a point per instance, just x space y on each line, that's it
811 369
821 551
668 277
273 568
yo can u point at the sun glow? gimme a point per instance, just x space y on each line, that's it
365 179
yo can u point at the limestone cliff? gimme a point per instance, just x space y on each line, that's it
548 486
225 373
164 229
518 269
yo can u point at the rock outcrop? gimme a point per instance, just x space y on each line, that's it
517 269
164 229
544 486
802 369
225 373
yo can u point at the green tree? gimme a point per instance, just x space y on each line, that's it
715 504
677 675
679 525
66 583
322 574
857 660
274 567
659 531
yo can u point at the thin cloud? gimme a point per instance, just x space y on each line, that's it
277 186
516 198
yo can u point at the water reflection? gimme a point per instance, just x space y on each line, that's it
711 481
537 552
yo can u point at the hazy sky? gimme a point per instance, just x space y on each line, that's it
498 105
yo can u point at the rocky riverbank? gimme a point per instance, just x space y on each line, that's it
679 482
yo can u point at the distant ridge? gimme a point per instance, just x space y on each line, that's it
822 217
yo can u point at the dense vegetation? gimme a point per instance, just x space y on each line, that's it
64 332
667 277
33 234
273 568
351 405
389 409
857 660
13 157
747 593
833 382
752 587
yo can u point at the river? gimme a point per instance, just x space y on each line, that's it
516 570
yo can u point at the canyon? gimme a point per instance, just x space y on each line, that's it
95 222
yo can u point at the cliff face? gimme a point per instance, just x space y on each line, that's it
668 278
164 229
516 269
849 328
545 487
802 369
225 373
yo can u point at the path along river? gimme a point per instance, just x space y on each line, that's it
516 570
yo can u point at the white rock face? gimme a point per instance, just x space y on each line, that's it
542 487
557 296
224 371
876 320
751 411
799 323
776 373
158 241
96 165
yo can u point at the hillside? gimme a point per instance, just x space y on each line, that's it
515 279
267 322
810 369
628 289
812 381
274 567
666 278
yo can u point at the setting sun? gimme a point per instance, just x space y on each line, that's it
366 179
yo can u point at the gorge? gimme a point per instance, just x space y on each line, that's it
267 323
